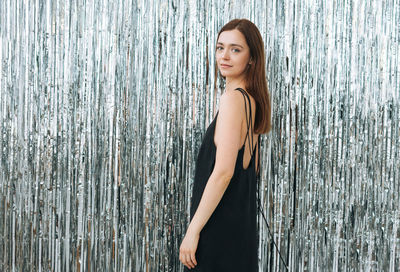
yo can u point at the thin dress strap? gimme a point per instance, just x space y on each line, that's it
249 122
258 157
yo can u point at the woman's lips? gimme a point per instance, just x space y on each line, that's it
225 66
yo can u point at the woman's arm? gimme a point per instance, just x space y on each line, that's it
227 139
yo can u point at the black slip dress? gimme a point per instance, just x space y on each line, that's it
229 239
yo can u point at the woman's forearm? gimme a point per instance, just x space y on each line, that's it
213 192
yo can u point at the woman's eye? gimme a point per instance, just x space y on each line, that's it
234 49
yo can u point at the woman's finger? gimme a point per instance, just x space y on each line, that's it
182 258
194 258
189 261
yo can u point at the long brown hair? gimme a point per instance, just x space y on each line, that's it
256 83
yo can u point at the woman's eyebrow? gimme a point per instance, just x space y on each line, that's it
232 44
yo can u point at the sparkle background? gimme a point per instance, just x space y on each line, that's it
103 105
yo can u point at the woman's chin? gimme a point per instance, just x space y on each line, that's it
224 74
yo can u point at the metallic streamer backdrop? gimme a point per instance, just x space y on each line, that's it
103 105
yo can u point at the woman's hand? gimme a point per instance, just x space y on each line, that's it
188 249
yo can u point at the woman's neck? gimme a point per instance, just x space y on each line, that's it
233 83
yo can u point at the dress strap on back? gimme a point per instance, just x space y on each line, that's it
249 122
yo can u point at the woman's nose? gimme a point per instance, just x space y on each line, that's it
225 54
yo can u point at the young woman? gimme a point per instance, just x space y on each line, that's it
222 234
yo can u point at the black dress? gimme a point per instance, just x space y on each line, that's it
229 239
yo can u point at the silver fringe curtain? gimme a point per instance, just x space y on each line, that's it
103 105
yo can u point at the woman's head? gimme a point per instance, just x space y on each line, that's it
240 45
232 50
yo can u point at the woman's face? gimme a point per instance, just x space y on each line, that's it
232 50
